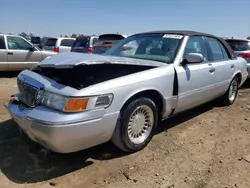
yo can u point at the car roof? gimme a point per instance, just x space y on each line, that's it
89 36
178 32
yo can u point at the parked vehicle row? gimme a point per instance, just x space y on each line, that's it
73 101
60 44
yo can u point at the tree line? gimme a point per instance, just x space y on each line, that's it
29 35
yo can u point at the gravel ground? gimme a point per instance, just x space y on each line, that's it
206 147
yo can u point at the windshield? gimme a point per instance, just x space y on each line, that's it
81 42
157 47
111 37
35 40
51 42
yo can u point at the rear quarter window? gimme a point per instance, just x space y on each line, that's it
67 42
239 45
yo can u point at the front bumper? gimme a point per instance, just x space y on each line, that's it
62 132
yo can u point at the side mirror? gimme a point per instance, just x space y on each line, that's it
32 48
193 58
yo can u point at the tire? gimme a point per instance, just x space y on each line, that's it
126 136
229 98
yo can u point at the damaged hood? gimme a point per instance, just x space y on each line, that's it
70 59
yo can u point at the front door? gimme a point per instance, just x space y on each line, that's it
196 81
21 54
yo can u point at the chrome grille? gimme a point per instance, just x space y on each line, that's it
30 95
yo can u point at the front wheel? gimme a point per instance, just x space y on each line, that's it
230 96
136 125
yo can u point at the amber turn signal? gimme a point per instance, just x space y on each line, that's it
76 104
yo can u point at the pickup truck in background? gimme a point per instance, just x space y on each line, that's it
16 53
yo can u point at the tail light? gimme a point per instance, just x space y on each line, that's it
56 49
90 50
245 55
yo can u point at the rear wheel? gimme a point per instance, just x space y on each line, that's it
230 96
136 125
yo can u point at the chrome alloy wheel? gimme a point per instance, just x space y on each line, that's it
140 124
233 90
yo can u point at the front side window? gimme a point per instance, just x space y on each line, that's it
196 44
216 49
156 47
17 43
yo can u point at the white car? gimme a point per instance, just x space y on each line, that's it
60 44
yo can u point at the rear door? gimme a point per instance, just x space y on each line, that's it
50 44
223 64
3 54
81 44
196 81
21 54
66 45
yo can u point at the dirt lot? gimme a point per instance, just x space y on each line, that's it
205 147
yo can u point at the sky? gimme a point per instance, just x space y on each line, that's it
225 18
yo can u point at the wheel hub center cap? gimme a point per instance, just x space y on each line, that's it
138 123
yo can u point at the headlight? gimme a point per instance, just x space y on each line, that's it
76 104
53 100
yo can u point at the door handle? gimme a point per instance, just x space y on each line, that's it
212 70
10 53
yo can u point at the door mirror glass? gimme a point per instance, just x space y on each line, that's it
194 58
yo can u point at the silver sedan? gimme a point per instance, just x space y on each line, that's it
73 101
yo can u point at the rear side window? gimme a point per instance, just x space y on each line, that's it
239 45
67 42
50 42
81 42
2 43
216 50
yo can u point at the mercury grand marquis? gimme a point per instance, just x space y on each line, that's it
73 101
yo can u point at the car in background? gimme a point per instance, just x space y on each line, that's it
84 44
38 41
59 44
241 47
106 41
17 53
